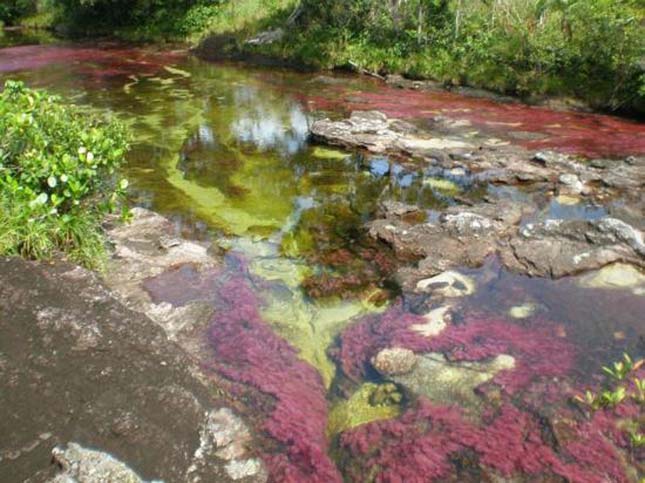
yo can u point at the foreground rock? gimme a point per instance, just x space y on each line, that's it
146 248
83 373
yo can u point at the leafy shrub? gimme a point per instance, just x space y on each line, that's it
12 10
58 176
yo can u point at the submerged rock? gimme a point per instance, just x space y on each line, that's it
435 323
445 382
449 284
522 311
394 361
616 276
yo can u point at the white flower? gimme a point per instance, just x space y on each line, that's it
90 157
64 178
82 150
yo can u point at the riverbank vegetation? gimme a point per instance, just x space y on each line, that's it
57 176
593 51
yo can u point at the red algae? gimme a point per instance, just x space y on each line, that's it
415 448
422 444
538 350
247 351
590 135
260 365
108 60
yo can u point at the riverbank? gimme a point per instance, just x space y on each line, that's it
588 55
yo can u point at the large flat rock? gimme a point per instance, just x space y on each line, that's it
80 370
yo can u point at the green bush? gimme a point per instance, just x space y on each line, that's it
58 176
12 10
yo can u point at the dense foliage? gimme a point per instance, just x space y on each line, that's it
590 49
57 176
12 10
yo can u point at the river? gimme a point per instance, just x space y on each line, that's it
223 150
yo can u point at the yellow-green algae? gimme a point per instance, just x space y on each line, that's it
309 326
165 127
330 154
443 186
371 402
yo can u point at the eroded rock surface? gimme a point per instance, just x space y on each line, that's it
79 368
146 248
557 248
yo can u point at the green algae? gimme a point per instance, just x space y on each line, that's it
443 186
176 71
311 327
329 154
371 402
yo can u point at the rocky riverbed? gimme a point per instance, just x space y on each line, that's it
467 233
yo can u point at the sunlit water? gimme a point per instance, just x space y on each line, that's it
223 151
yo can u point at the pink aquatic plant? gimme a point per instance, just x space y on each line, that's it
423 444
538 350
288 393
247 351
415 448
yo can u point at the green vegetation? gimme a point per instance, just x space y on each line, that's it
11 11
57 176
590 50
618 389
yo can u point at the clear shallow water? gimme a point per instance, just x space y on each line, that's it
223 150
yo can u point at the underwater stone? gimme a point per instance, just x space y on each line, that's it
449 284
436 321
446 382
79 464
394 361
522 311
616 276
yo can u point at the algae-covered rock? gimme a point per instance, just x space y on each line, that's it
443 186
330 154
371 402
616 276
446 382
